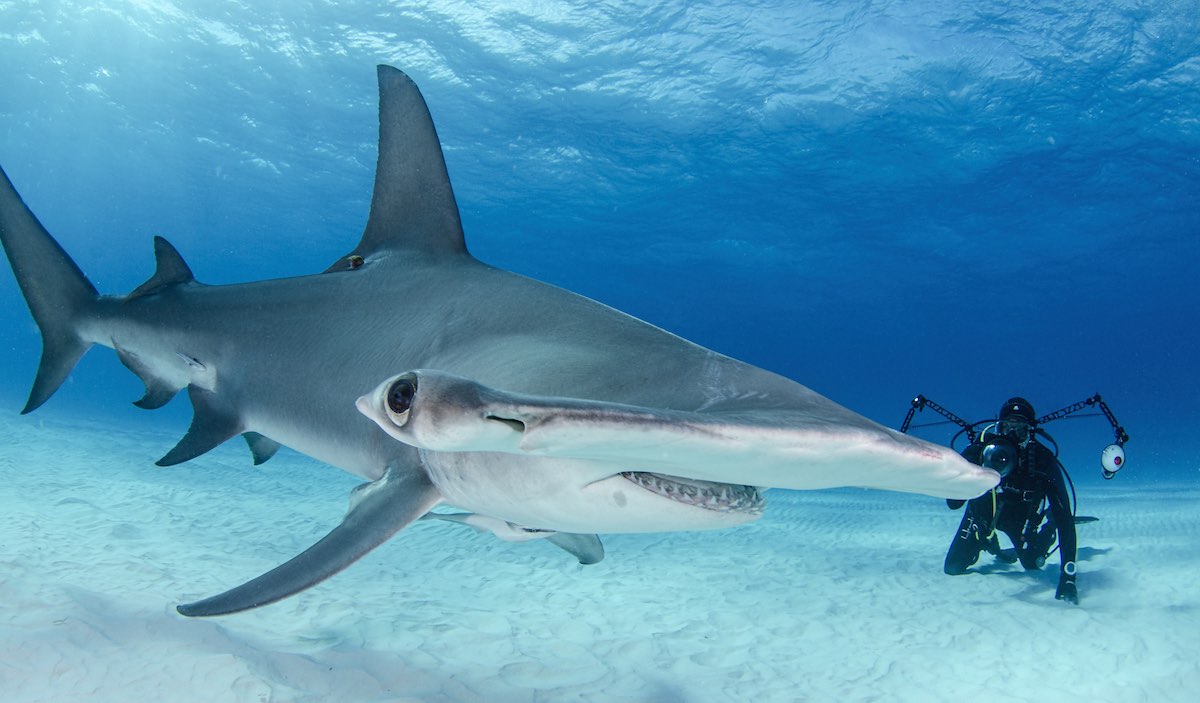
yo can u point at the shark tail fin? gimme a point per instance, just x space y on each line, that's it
57 292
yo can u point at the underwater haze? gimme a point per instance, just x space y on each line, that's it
964 200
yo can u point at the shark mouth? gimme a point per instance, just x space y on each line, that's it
721 497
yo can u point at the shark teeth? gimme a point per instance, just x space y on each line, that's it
722 497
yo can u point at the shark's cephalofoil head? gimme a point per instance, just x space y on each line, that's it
440 412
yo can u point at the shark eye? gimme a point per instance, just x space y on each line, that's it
399 399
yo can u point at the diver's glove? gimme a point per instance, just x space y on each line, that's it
955 504
1066 589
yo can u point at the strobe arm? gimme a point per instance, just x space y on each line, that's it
1121 437
921 402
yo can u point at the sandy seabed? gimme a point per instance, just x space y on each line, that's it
832 596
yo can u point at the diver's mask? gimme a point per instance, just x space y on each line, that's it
1016 429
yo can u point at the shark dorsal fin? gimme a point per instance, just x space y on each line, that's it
170 270
413 210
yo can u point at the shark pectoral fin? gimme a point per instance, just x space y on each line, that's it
378 510
586 548
212 424
263 448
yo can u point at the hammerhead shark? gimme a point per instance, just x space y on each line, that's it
444 381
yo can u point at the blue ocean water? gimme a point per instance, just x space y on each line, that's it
965 200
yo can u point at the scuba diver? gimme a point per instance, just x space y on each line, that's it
1031 476
1034 503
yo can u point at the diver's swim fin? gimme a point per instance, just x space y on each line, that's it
1008 556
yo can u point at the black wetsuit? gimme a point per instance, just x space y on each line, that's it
1019 514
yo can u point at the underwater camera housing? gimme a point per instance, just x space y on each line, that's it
1001 451
999 454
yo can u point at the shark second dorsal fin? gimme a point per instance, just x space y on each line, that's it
170 270
413 210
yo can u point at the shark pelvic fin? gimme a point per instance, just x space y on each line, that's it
212 425
586 548
263 448
413 208
378 510
170 270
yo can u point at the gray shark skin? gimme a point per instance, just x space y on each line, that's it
541 412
